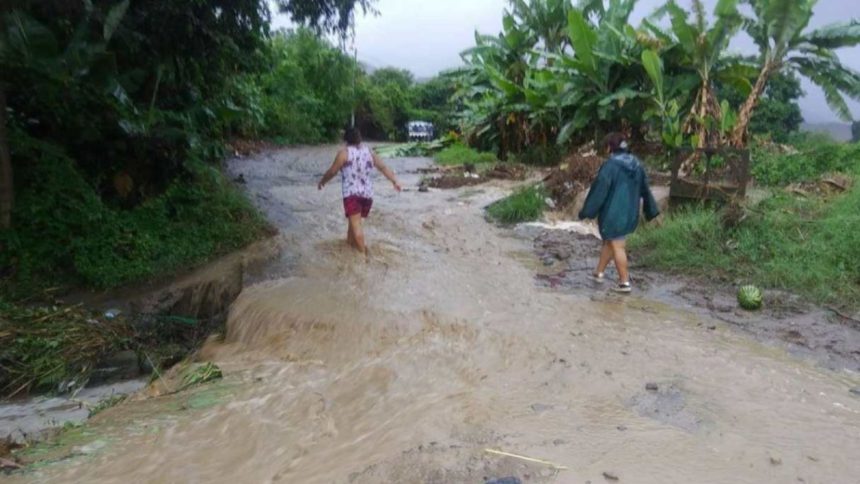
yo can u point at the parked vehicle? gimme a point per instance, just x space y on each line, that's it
421 131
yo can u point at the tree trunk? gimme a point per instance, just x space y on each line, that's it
7 194
739 135
705 107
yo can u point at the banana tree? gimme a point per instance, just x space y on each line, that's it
666 109
493 86
604 77
699 47
779 29
547 19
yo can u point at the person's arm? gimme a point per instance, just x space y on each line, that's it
339 161
597 194
382 167
652 210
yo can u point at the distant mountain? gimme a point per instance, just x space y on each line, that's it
838 131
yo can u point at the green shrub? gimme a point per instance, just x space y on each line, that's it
460 154
526 204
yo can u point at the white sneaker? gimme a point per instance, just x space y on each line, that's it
623 288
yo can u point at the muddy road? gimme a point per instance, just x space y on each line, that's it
408 367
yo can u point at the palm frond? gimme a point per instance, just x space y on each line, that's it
785 20
833 78
835 36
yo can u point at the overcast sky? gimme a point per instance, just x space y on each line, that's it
427 36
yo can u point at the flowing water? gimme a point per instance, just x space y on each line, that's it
408 366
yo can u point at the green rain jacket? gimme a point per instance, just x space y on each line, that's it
614 197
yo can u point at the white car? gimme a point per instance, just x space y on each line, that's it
420 131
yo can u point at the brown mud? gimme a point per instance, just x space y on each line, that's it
439 359
458 177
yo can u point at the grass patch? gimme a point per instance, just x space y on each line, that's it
810 246
460 154
809 156
524 205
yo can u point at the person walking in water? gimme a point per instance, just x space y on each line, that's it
356 163
614 199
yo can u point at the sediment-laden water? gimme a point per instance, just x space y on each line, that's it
409 366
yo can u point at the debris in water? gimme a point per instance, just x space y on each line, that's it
651 387
775 461
196 375
610 476
529 459
112 313
540 407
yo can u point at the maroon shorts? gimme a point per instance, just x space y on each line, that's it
354 205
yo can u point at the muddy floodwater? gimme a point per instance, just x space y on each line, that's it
440 354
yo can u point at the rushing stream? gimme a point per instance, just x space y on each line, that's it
410 366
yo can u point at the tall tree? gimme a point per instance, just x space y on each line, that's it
855 131
779 30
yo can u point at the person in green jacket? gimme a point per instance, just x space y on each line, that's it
614 200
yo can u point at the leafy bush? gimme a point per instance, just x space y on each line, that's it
816 155
460 154
526 204
63 231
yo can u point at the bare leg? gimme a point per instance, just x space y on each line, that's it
605 257
350 237
357 233
619 250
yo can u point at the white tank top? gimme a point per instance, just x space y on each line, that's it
356 174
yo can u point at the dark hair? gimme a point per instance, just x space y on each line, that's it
615 142
352 136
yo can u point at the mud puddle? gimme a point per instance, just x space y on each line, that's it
440 360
